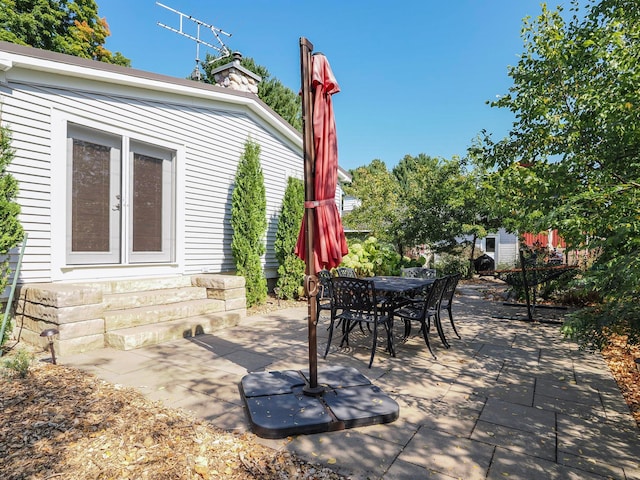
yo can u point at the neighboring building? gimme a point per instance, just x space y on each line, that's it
127 175
341 199
501 246
504 247
549 240
350 203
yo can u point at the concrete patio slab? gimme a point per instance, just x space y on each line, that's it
509 464
448 454
511 399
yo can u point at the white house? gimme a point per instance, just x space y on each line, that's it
501 246
126 176
343 177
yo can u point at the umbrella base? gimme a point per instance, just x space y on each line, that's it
277 405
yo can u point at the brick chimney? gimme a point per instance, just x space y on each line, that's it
235 76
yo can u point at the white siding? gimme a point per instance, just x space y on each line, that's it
508 253
29 123
350 203
338 198
209 136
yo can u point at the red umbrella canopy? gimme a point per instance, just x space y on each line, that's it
329 242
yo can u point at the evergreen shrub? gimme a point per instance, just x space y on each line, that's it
249 223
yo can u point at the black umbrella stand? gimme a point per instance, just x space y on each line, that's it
292 402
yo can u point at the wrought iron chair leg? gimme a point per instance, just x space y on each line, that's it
375 343
440 331
407 328
331 327
389 329
453 324
362 329
425 333
347 326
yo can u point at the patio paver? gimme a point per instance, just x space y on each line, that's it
510 400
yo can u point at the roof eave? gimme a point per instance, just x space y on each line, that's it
13 55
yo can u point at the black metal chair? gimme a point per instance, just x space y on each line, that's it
422 309
355 303
323 298
447 298
346 272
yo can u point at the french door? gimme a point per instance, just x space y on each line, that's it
119 200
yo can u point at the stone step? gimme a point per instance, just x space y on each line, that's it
135 299
141 284
153 314
143 335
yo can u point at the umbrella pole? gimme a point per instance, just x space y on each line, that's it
311 280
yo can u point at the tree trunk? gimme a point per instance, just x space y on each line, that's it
473 250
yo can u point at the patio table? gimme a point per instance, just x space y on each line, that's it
392 290
390 285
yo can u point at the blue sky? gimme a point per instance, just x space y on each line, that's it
414 75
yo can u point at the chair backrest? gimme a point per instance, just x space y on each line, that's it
430 298
450 288
324 281
429 273
346 272
353 294
418 272
435 293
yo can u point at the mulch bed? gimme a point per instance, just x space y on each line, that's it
620 358
59 422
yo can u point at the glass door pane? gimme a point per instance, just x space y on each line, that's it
93 189
151 224
147 204
90 203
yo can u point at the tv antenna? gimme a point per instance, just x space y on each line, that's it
221 48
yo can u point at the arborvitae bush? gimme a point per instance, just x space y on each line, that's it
249 222
11 232
291 270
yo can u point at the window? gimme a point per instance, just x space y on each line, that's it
490 244
120 207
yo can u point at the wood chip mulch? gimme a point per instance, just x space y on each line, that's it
620 358
59 422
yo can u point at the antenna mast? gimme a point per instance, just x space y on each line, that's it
220 47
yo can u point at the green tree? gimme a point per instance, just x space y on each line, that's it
380 212
572 158
291 268
249 223
422 201
482 210
65 26
433 194
282 100
11 232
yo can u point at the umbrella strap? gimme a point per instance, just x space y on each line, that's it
318 203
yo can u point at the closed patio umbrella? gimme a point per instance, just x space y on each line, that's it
347 398
321 242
